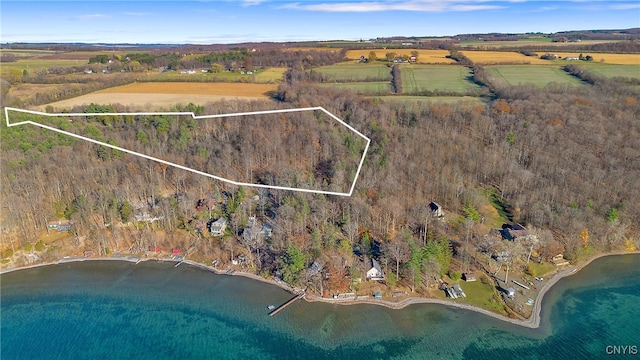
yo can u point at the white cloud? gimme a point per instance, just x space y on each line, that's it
247 3
627 6
405 5
92 17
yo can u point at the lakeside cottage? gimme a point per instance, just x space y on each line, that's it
218 227
375 273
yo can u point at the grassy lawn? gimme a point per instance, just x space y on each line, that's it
418 78
537 75
540 269
355 72
364 88
481 295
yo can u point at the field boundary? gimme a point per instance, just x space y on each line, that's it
196 117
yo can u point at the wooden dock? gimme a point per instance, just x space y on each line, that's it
291 301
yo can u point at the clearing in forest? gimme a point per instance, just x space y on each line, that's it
537 75
307 149
417 79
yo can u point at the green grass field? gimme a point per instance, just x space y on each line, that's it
30 65
610 70
364 88
538 75
434 99
451 78
355 72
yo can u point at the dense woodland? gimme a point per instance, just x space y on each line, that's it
564 159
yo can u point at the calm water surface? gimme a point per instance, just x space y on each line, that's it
114 310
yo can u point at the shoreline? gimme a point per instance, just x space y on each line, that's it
532 322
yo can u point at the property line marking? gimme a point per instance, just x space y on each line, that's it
196 117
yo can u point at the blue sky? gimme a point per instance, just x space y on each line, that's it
232 21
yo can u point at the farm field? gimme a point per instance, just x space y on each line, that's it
534 41
503 57
33 64
231 89
611 70
419 78
364 88
607 58
25 90
158 95
314 48
424 56
532 74
512 57
355 72
423 99
274 74
267 76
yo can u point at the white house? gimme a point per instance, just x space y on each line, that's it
375 273
217 227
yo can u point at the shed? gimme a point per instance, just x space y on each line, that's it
436 209
469 277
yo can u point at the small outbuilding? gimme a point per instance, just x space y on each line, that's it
436 209
469 277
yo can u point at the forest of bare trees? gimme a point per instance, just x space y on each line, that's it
560 158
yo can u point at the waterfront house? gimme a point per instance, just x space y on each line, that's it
375 273
217 227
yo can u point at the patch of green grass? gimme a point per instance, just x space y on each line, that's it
433 99
364 88
538 75
33 65
535 269
449 78
612 70
482 295
355 72
499 205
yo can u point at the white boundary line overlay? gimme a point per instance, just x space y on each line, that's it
194 116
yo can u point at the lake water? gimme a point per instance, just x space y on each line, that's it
114 310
